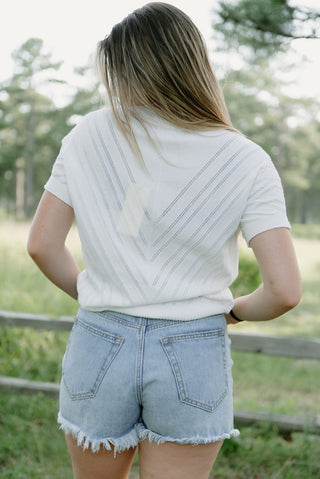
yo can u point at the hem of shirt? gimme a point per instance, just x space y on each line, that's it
264 228
142 313
55 189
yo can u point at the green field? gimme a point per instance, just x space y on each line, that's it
31 445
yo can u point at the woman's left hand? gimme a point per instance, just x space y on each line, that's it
230 319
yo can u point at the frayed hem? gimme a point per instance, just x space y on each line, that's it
144 433
119 444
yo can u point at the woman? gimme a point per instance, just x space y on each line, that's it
160 185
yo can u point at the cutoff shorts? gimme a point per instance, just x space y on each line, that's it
127 378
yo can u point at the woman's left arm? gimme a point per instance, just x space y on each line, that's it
46 243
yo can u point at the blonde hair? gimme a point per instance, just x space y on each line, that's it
156 58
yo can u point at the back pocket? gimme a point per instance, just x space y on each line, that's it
198 363
88 356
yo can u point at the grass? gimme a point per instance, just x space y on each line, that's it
276 384
302 321
22 282
33 448
31 445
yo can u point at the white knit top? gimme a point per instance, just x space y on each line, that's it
163 244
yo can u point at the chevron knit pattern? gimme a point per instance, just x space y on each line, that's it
163 244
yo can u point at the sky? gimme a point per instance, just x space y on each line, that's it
71 29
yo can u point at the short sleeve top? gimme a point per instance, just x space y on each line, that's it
162 242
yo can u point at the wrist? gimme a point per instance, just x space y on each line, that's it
234 316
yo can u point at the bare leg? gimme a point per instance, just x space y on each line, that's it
101 464
176 461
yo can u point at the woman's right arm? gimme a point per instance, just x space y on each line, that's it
281 287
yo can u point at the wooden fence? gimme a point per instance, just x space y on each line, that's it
281 346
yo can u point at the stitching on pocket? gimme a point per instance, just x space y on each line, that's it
168 345
93 383
97 332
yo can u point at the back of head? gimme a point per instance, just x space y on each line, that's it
156 58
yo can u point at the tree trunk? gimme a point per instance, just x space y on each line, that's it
303 207
20 188
29 162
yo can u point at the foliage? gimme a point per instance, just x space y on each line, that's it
310 232
258 34
249 277
32 446
32 126
262 454
285 128
25 121
266 26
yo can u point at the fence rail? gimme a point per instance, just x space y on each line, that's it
253 343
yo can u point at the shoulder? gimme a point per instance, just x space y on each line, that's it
95 117
86 127
81 133
243 142
255 157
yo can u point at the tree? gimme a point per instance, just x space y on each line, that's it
32 126
266 26
284 127
302 177
25 116
257 98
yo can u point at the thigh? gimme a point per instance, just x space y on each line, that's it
177 461
99 465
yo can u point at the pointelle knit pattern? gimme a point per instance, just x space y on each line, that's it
163 243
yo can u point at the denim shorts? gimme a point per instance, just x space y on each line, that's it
127 378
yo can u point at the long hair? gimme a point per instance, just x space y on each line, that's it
157 58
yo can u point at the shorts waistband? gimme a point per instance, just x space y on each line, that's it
139 321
